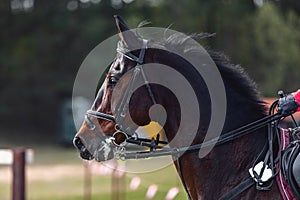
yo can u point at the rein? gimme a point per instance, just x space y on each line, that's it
227 137
155 145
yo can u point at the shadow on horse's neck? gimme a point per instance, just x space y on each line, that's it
226 165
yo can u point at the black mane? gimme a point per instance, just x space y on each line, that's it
233 75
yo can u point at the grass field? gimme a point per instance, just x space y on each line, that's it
58 174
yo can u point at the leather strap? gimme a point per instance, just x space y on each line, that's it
181 177
238 189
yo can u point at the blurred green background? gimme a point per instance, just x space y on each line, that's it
43 43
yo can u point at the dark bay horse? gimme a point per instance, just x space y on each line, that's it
226 165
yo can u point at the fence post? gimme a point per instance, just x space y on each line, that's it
87 181
118 184
18 168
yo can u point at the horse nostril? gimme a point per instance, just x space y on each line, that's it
84 153
77 143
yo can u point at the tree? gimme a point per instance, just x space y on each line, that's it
276 50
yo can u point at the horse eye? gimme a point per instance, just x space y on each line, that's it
112 81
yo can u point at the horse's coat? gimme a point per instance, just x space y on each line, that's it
225 166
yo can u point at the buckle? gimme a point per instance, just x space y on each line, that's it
119 138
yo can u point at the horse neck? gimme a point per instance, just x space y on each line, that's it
226 165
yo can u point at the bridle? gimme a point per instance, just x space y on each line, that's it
157 147
125 101
123 107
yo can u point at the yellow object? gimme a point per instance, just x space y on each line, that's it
152 129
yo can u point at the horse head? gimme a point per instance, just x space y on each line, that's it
100 135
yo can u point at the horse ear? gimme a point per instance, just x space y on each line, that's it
125 34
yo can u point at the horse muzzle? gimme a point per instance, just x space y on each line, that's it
103 151
84 152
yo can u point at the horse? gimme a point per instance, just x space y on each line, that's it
226 165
